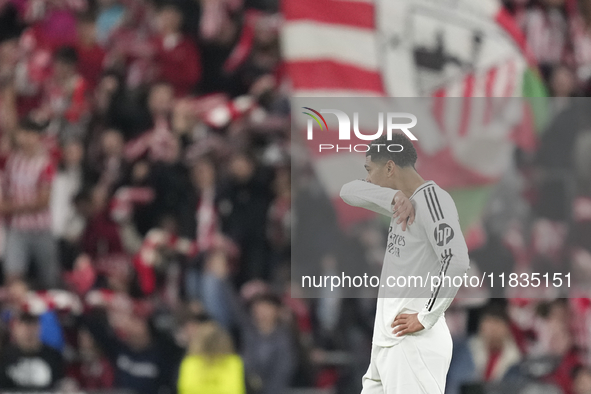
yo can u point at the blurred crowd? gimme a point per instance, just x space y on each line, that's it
146 211
145 197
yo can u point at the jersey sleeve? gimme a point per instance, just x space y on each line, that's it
442 228
369 196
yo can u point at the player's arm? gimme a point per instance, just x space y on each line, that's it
443 231
382 200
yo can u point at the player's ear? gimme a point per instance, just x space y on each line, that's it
390 167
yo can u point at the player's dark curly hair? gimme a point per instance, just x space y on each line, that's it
405 158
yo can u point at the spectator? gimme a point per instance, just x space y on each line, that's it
91 56
546 31
228 34
204 178
29 177
213 290
493 350
131 45
556 341
171 181
109 94
28 364
243 210
65 94
177 59
100 237
109 167
161 248
207 224
143 361
267 347
50 330
562 348
92 370
155 144
211 365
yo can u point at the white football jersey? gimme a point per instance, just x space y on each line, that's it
433 246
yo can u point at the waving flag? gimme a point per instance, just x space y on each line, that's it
424 48
403 48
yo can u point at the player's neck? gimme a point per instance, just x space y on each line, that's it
409 181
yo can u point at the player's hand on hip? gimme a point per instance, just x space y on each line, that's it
403 210
406 324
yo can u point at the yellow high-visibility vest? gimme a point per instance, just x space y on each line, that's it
201 375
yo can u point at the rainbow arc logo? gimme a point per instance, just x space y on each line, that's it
315 118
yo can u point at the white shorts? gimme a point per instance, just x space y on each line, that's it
417 365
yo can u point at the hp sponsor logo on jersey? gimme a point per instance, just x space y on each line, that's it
443 234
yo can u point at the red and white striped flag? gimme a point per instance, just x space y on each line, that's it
402 48
419 48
